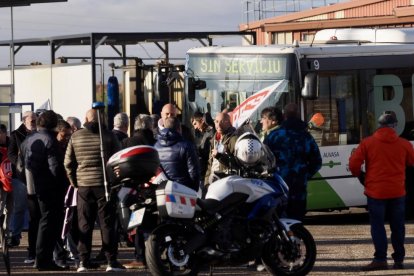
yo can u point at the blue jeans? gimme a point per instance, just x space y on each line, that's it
394 209
19 208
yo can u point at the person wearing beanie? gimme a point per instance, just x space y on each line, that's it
385 156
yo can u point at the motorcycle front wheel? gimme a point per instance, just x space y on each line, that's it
165 255
291 258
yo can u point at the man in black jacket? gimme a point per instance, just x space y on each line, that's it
143 134
203 135
20 197
121 126
42 160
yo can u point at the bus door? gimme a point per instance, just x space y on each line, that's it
333 121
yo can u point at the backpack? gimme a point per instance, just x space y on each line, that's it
5 171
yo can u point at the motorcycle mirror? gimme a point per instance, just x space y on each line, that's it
194 85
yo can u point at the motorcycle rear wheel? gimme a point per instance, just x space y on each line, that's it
164 253
280 259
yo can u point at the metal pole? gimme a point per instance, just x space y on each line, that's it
100 106
103 156
12 61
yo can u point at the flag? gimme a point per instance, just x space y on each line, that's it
249 106
45 105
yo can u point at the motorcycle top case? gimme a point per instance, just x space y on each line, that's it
138 163
175 200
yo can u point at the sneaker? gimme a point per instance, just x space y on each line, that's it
260 268
135 265
251 264
115 267
375 266
84 266
398 265
29 260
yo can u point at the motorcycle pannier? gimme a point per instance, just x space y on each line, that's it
175 200
138 163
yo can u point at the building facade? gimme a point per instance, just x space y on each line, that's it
303 25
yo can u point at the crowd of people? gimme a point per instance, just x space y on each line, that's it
50 154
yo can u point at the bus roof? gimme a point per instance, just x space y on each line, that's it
398 35
310 50
331 42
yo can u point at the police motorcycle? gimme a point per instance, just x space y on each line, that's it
239 220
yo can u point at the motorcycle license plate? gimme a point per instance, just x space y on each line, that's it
136 218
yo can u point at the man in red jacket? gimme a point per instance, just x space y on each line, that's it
385 156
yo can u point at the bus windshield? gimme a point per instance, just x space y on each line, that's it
231 79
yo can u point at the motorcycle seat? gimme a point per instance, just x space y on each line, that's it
209 205
212 205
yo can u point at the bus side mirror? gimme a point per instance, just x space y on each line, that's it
194 85
310 87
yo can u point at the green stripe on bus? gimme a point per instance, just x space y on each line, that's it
322 196
332 164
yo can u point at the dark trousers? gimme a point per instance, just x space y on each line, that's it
139 243
92 203
296 208
60 252
34 214
48 232
395 209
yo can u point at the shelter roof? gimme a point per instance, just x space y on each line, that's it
115 39
16 3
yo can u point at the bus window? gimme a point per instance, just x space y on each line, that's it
332 116
392 91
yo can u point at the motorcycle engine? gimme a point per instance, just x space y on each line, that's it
231 236
235 238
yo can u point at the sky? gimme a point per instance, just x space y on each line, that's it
85 16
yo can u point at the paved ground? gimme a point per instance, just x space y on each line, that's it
343 243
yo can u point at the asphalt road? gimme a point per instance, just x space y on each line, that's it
343 243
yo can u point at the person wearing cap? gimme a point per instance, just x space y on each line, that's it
385 156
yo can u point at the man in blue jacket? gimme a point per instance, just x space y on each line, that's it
298 158
178 157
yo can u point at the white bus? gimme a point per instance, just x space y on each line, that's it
350 78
